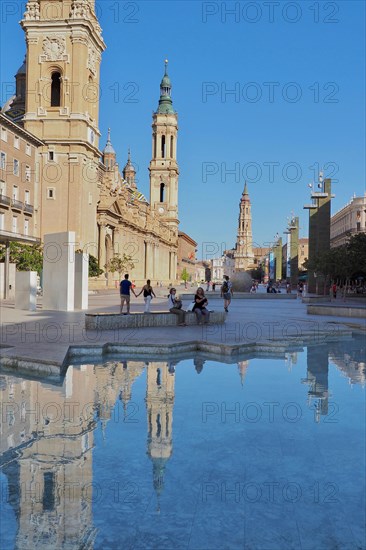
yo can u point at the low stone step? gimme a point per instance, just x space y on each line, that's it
110 321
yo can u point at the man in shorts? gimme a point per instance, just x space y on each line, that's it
227 292
125 287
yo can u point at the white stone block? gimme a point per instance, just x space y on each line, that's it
81 280
11 282
59 271
26 290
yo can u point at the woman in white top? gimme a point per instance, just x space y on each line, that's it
175 306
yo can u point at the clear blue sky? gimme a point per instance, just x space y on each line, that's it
310 49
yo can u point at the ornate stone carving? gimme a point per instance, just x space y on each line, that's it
54 48
32 13
92 60
79 9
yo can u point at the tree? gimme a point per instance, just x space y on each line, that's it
94 269
26 257
185 276
120 264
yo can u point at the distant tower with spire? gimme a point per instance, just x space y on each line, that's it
109 154
243 255
129 172
163 167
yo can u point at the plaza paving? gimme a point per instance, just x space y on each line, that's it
46 336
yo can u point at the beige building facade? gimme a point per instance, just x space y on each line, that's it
77 187
186 255
348 221
19 177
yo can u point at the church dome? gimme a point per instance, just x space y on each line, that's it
108 149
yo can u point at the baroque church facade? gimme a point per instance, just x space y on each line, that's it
78 188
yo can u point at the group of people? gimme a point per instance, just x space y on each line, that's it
199 306
200 303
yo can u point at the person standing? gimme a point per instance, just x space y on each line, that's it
334 290
125 286
148 294
227 292
200 309
175 307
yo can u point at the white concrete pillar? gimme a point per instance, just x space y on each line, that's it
59 271
81 280
26 290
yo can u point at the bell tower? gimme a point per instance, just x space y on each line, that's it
163 167
64 48
244 257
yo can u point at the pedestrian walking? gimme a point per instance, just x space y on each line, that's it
148 295
334 290
175 307
227 292
125 286
200 307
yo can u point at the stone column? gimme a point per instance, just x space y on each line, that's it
278 259
59 271
81 280
26 290
101 248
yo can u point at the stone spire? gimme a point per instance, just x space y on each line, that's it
244 258
129 172
109 154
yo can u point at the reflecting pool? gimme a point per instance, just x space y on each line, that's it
188 452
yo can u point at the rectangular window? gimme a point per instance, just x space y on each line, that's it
48 491
16 142
27 197
51 155
2 160
16 167
14 225
4 134
2 187
15 193
26 227
27 173
2 218
50 192
28 149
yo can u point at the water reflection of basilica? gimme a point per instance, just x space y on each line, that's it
47 436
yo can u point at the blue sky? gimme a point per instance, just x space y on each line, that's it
296 71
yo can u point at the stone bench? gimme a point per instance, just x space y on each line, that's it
338 310
110 321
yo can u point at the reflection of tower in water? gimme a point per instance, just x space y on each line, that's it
242 368
317 379
159 406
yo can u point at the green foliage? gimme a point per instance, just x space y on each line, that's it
343 262
94 269
120 264
185 276
26 257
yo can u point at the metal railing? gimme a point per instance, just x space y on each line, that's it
5 201
17 205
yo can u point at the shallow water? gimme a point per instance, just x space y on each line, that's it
263 453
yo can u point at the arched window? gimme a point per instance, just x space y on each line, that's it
163 147
162 187
171 147
56 89
154 152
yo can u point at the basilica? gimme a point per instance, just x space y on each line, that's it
67 182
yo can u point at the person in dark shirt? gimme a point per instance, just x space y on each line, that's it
125 286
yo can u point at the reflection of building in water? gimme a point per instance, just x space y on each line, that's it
46 448
242 368
350 358
112 380
317 379
290 359
47 451
159 405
